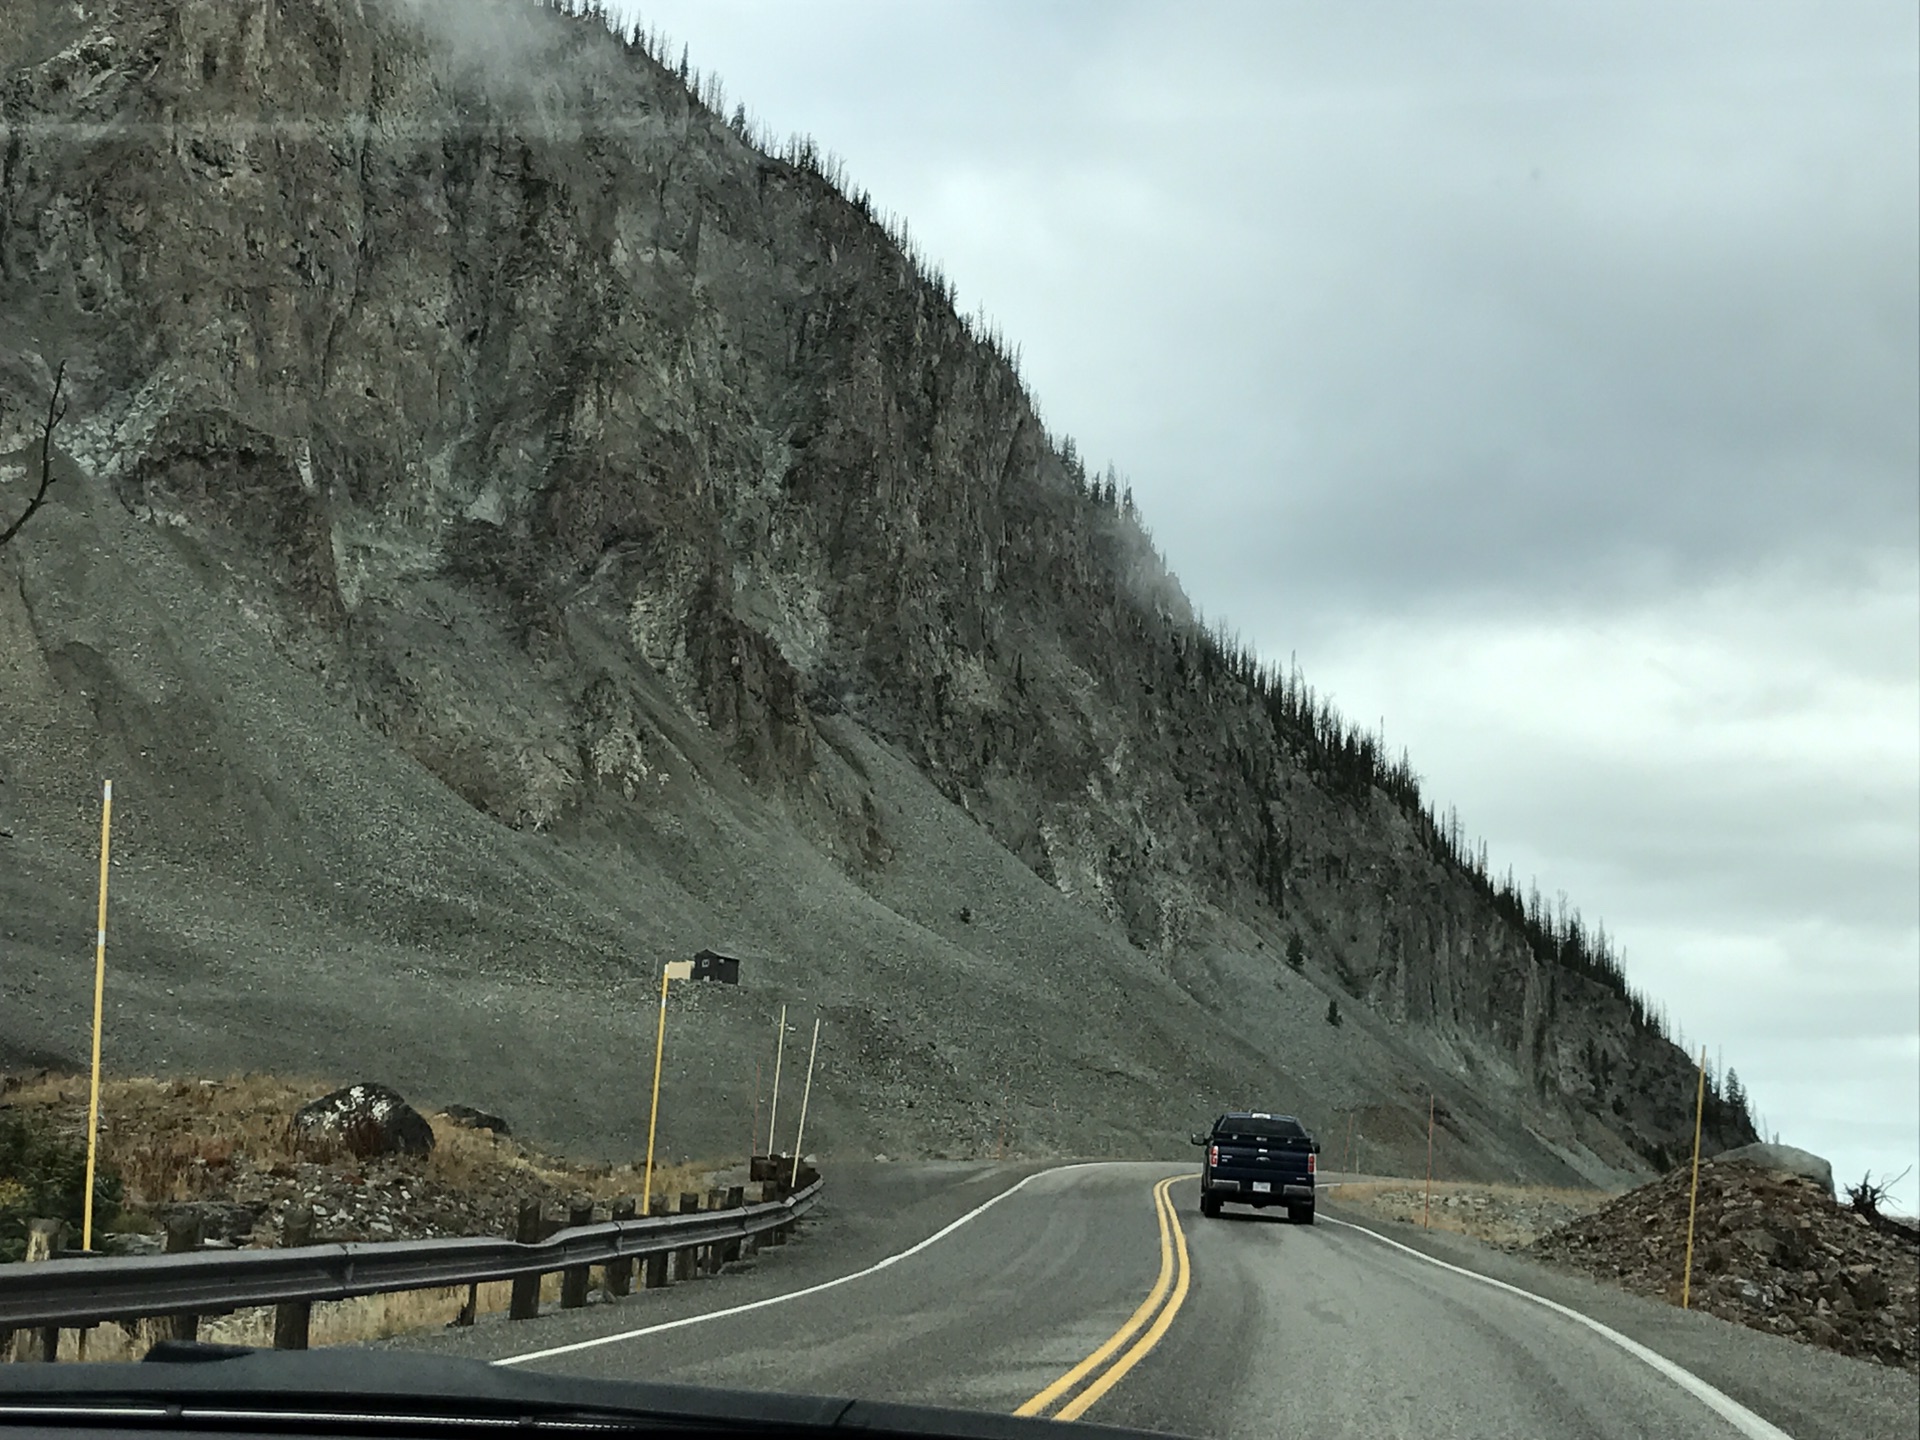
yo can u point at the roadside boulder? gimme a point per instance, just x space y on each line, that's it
1784 1160
363 1120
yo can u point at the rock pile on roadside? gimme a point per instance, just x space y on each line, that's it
382 1199
1772 1251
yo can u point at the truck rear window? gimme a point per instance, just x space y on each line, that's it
1237 1131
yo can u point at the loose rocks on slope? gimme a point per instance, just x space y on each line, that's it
1771 1251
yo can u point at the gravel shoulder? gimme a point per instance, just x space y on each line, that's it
1811 1394
1509 1215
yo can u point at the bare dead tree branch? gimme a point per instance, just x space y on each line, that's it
56 412
1865 1199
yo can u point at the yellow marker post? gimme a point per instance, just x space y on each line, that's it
1693 1196
99 998
673 970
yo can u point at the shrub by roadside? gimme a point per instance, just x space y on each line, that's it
43 1175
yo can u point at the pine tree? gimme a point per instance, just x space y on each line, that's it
1296 952
1333 1012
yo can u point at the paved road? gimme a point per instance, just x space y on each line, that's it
1239 1327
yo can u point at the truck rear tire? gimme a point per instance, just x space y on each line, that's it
1300 1214
1210 1206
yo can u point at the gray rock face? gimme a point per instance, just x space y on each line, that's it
498 490
1784 1160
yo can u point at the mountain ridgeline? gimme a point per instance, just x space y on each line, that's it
516 522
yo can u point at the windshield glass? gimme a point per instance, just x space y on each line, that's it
723 665
1234 1129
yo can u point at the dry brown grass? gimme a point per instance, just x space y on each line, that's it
333 1322
1501 1214
175 1140
465 1158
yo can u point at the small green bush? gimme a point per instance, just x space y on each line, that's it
1296 952
1333 1012
44 1177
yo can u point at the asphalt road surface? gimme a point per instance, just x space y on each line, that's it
1099 1291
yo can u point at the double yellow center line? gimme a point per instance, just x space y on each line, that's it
1169 1293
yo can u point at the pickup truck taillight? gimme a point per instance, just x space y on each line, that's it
1313 1163
1213 1155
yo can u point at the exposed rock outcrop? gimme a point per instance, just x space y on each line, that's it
461 409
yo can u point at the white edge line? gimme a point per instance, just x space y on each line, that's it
1722 1404
874 1269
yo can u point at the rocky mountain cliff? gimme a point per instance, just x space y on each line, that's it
511 528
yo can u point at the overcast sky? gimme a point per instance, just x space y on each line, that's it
1546 377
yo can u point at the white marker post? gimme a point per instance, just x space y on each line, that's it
805 1096
779 1053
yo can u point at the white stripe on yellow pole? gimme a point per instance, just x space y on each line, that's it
805 1096
99 996
1693 1195
779 1053
675 970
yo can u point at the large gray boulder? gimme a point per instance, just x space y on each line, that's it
364 1120
1784 1160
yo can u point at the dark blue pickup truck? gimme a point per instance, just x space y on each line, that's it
1255 1158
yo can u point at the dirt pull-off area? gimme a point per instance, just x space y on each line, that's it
1771 1251
1510 1216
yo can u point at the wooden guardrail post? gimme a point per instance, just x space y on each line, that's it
575 1280
525 1301
654 1272
710 1254
685 1259
42 1342
183 1238
618 1274
736 1197
291 1321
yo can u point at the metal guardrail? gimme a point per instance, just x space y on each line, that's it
82 1291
